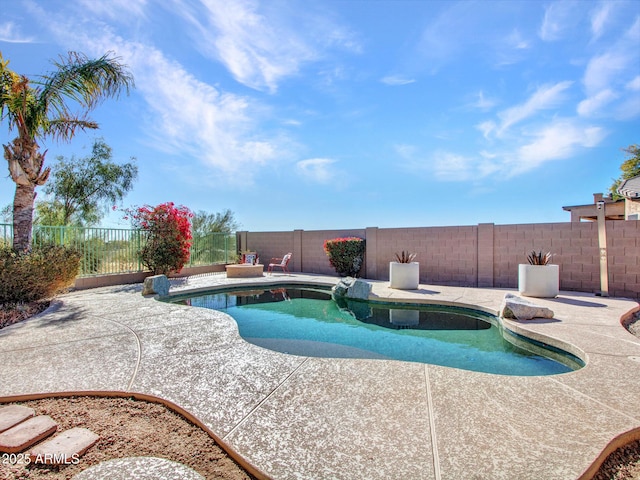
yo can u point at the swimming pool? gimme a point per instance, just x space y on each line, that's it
306 321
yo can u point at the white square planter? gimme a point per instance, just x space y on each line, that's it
404 276
542 281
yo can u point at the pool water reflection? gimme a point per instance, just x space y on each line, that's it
306 321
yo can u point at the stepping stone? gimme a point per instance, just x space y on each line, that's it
65 448
11 415
27 433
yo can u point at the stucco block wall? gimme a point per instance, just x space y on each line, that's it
447 255
269 245
574 247
485 255
623 244
307 247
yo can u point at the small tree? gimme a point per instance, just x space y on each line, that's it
630 168
167 232
346 255
204 223
81 189
40 108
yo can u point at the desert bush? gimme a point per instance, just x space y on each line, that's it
39 274
346 255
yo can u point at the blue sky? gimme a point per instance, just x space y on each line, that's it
354 113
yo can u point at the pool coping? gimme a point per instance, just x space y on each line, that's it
270 425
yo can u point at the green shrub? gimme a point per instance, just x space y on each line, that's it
39 274
346 255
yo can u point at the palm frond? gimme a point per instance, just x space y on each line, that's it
65 128
83 80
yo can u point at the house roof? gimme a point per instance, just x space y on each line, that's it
606 200
630 188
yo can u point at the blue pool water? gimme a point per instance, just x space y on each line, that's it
306 321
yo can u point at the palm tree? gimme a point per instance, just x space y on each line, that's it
41 108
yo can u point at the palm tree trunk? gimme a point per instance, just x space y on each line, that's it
23 216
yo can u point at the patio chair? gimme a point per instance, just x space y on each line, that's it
279 263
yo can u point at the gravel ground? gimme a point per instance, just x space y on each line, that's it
128 428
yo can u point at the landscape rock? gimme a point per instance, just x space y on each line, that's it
156 285
521 309
350 287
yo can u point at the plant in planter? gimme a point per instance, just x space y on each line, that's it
538 258
405 273
539 278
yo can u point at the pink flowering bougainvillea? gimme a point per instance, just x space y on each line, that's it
167 236
346 255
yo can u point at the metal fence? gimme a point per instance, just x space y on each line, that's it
115 250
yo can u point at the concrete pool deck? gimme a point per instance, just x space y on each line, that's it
294 417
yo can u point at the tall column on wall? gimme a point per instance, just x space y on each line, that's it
297 252
241 241
371 255
602 244
485 254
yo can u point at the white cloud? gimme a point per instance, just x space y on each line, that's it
9 33
628 109
483 103
516 41
633 85
319 170
557 16
405 151
487 128
591 106
395 80
444 165
604 69
255 54
261 44
545 97
599 19
192 117
510 49
561 139
449 166
123 10
611 78
185 116
633 34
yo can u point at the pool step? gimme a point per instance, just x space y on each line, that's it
26 433
11 415
64 448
